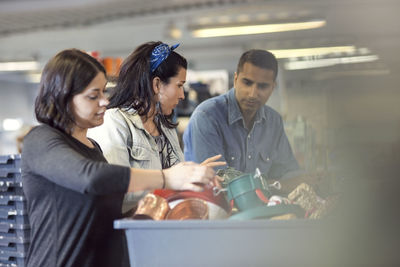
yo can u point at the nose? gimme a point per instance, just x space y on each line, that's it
181 94
104 101
253 91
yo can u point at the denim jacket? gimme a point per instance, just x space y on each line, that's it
125 141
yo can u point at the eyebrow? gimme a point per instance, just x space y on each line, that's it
263 83
98 89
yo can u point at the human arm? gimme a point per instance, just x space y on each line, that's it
48 154
202 138
182 176
59 158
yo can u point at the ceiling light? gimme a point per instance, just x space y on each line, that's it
315 51
256 29
34 77
12 124
19 66
172 31
319 63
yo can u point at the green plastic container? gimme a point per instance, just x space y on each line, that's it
247 191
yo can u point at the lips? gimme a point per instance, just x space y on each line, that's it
250 102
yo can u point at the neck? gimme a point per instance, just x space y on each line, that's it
80 134
149 125
248 120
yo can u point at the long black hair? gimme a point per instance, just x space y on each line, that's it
134 87
65 75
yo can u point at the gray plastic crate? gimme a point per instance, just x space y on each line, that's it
17 220
10 200
13 247
9 258
12 263
20 229
10 161
222 242
7 175
7 238
8 212
12 187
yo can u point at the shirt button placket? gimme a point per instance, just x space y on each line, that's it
249 148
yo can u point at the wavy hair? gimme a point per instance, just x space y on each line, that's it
65 75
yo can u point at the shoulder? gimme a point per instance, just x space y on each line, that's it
213 102
116 117
114 114
43 137
271 114
42 132
212 106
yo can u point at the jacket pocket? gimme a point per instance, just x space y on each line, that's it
140 154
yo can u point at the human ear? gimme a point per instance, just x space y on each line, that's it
156 85
274 85
235 76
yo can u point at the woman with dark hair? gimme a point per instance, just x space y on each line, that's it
73 194
138 130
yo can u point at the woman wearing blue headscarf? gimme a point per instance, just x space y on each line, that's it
138 130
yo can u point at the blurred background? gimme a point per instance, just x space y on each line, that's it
338 88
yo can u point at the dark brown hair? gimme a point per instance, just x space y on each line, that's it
134 87
64 76
260 58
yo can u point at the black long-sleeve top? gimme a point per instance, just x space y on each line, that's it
73 197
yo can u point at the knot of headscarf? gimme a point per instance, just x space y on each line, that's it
159 54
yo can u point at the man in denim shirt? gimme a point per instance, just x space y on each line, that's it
240 126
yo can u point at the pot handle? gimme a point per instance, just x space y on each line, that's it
217 190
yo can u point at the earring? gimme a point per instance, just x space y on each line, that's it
158 108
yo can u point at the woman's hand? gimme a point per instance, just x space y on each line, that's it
211 162
188 176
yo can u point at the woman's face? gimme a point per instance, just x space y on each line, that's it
88 107
171 93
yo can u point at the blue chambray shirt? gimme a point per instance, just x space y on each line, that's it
217 127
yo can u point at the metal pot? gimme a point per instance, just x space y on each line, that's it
189 209
151 207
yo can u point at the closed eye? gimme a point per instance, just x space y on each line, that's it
93 97
247 82
263 85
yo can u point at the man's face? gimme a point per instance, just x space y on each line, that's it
253 87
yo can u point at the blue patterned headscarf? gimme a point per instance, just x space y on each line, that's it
159 54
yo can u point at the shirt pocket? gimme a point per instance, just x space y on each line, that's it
266 160
233 160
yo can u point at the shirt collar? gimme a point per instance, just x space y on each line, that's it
134 118
234 113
